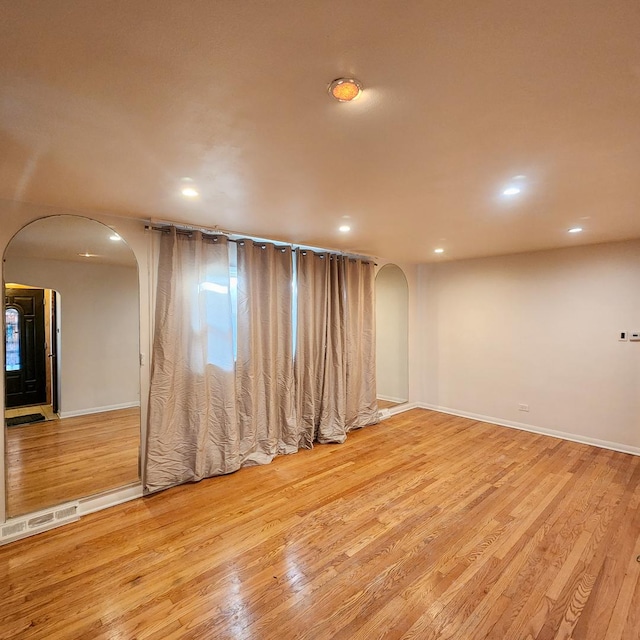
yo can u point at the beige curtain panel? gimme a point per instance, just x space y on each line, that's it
320 379
227 389
335 356
360 344
360 338
192 428
264 365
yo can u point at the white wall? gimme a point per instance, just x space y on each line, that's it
538 329
411 272
392 334
99 330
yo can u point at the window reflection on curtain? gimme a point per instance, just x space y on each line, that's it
192 415
12 340
205 288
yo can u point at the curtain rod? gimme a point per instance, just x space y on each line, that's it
162 226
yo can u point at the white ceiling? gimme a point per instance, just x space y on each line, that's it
107 105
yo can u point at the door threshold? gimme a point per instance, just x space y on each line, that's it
45 409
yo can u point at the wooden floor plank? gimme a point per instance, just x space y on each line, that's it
52 462
424 526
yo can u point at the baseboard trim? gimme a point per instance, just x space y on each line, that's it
43 520
109 499
562 435
401 408
110 407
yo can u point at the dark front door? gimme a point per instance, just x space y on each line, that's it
53 353
25 357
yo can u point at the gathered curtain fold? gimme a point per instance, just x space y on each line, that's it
218 403
192 426
335 355
361 401
264 365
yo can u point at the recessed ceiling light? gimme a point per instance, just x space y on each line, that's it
345 89
189 192
511 191
575 230
344 228
88 255
115 237
438 250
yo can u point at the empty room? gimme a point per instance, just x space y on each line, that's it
322 320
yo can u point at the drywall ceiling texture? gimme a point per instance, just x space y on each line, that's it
539 329
107 106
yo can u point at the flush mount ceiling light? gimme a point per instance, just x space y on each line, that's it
575 230
344 228
439 250
345 89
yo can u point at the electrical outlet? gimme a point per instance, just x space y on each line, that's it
523 407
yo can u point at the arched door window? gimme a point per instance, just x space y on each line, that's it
12 339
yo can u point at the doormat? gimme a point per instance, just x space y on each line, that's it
28 419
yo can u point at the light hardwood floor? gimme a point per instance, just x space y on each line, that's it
387 404
64 459
424 526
